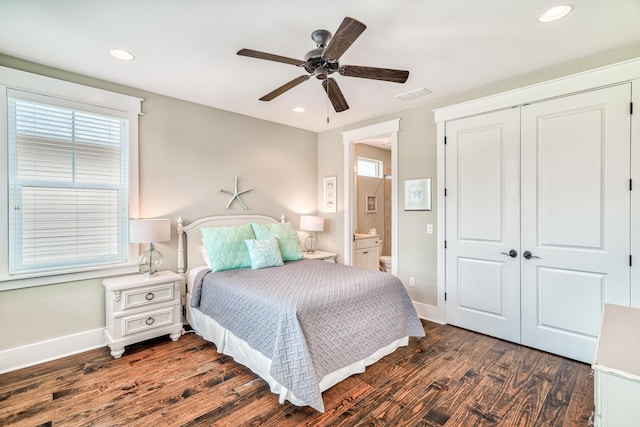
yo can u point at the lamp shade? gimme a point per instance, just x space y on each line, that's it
149 230
311 223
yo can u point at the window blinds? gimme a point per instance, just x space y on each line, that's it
68 186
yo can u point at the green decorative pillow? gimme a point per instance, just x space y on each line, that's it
288 239
264 253
226 246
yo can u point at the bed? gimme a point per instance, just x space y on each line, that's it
301 325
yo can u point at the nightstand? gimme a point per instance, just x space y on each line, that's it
321 255
139 308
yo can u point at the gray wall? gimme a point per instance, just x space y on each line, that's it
187 153
416 159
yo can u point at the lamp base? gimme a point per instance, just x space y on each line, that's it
311 243
150 261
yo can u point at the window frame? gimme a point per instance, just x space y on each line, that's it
64 91
379 166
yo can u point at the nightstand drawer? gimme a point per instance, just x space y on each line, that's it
147 321
141 297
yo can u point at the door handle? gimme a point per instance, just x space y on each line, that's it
529 255
512 253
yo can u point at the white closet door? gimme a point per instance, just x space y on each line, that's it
483 223
575 217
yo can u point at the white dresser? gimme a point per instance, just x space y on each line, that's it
616 368
139 308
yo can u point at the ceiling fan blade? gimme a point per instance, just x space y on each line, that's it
347 33
385 74
335 95
285 87
270 57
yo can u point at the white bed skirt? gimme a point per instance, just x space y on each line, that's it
229 344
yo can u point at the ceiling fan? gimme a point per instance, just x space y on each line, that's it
322 61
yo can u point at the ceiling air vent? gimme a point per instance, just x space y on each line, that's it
413 94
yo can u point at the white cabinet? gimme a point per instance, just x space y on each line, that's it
365 252
616 368
139 308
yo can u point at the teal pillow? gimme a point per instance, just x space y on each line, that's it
226 246
264 253
288 239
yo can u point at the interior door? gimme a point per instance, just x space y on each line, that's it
575 217
483 223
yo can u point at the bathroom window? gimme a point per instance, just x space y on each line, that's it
370 167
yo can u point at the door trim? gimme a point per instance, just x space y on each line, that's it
620 72
441 215
349 139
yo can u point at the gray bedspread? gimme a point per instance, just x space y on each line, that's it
309 317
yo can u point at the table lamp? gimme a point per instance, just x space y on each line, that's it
149 231
312 224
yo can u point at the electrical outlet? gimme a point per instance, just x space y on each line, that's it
429 228
412 282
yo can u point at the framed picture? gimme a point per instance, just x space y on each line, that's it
330 195
417 194
371 204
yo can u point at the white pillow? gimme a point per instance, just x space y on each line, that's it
205 255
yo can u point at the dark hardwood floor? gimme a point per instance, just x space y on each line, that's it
452 377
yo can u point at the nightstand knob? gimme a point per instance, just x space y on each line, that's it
149 296
150 321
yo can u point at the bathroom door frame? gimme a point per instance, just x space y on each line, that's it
349 139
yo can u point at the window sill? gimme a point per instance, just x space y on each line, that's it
9 283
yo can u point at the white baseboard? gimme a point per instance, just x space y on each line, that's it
44 351
431 313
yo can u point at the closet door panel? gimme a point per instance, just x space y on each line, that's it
482 224
575 217
570 201
577 292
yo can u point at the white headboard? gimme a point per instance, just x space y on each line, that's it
194 237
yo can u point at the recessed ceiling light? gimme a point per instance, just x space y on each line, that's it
556 13
121 54
299 109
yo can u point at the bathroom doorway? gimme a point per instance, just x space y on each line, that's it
373 190
357 143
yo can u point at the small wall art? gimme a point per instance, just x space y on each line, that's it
330 194
371 204
417 194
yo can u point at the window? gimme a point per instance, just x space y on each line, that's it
369 167
68 186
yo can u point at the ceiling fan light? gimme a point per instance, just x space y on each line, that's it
299 109
122 54
556 13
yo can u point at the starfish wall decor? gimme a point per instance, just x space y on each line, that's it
235 194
